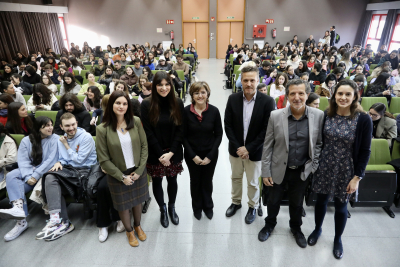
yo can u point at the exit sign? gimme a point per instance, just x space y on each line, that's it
269 21
195 17
170 21
230 17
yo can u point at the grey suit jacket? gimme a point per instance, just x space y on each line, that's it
276 144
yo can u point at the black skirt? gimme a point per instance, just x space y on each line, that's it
126 197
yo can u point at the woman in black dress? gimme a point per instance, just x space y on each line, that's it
202 137
347 138
162 117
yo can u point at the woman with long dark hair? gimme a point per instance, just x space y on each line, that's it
93 99
149 74
46 81
8 71
162 117
8 153
343 159
69 84
380 87
9 89
129 77
51 61
37 153
5 100
302 68
42 98
122 151
19 122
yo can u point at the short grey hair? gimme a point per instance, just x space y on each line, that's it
298 82
250 69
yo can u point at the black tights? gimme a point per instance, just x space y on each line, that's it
340 215
158 192
126 217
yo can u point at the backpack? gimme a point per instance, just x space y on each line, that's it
337 39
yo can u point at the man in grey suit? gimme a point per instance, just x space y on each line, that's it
292 146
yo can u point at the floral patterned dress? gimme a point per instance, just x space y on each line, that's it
336 167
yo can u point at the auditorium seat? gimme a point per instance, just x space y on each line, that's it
58 87
27 97
323 103
51 114
394 105
367 102
235 76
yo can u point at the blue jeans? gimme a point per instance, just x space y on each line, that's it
17 187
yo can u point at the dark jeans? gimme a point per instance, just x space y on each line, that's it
106 214
295 191
201 183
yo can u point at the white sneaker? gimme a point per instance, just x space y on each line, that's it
45 231
120 227
18 229
15 212
103 234
59 230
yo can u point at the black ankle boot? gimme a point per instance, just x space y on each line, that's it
164 216
172 214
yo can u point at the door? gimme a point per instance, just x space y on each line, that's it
197 34
236 33
228 33
189 34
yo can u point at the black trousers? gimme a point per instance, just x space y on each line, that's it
201 183
106 214
295 191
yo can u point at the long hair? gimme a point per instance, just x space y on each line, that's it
70 97
5 98
381 80
150 75
4 86
14 120
69 87
105 70
126 89
46 94
155 99
277 79
354 108
48 78
110 119
381 109
97 97
144 77
36 139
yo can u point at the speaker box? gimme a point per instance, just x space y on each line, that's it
47 2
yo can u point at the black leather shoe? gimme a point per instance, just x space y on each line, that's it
260 211
172 214
338 250
389 211
209 214
197 215
264 234
300 239
250 216
164 216
313 238
232 209
303 212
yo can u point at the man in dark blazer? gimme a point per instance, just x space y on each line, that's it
292 146
333 35
246 121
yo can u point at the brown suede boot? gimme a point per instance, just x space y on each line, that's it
142 236
132 239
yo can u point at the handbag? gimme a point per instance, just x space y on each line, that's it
92 181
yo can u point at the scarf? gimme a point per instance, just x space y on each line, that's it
199 117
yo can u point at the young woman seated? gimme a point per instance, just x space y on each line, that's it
380 87
69 84
270 77
278 88
313 100
359 79
98 113
153 59
311 61
8 71
8 153
290 72
149 74
42 98
8 88
5 100
146 92
31 76
121 86
176 82
91 78
384 124
332 64
46 81
262 88
23 87
92 59
19 122
36 155
129 77
52 61
359 70
327 88
302 68
93 98
76 65
294 61
139 86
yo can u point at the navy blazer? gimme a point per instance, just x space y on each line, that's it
362 143
257 128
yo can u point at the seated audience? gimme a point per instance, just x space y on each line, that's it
36 154
8 88
278 88
98 113
180 65
69 84
41 99
5 100
302 67
313 100
262 88
146 91
290 73
339 72
282 65
378 70
265 66
91 82
47 81
162 65
8 71
52 73
360 81
392 58
384 124
23 87
100 68
121 86
31 76
311 61
70 103
269 78
118 68
294 61
328 87
138 70
8 153
147 63
93 98
317 75
149 74
129 77
380 87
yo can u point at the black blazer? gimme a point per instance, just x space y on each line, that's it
258 124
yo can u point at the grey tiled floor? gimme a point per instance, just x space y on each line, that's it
371 238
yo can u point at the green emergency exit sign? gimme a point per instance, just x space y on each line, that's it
195 17
230 17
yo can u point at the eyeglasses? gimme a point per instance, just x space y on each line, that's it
373 115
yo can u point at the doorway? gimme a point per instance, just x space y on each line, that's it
197 34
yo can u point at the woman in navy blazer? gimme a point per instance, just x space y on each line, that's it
347 135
